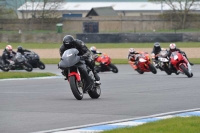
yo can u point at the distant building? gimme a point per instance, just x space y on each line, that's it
81 8
102 11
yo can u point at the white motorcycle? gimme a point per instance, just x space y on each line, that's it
163 61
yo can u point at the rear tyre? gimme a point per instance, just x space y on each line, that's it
95 92
152 69
28 67
76 90
114 69
41 65
185 70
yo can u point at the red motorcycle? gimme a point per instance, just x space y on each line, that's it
143 63
104 64
179 62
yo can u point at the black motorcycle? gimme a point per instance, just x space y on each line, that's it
80 77
34 60
20 63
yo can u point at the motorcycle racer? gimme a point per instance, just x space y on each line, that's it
95 53
84 53
8 53
132 58
172 48
21 50
156 50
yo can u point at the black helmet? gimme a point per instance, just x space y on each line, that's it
157 44
19 48
68 40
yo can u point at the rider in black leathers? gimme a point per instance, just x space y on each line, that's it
84 53
21 50
156 50
8 53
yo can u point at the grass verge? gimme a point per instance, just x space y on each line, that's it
100 45
114 61
7 75
172 125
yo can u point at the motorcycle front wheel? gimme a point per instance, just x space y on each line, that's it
41 65
152 69
185 70
139 71
76 90
27 67
95 92
4 68
113 68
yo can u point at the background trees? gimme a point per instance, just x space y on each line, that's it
179 11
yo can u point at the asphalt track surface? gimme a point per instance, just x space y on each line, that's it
43 104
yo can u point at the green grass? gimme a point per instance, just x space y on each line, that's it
114 61
6 75
173 125
99 45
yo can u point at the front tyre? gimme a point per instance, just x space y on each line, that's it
139 71
95 92
27 67
152 69
113 68
76 90
185 70
41 65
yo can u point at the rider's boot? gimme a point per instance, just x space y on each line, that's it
97 78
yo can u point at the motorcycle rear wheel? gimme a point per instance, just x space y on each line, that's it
76 90
95 92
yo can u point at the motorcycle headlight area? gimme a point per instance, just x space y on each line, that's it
175 57
163 59
142 60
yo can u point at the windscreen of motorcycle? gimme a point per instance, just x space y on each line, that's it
163 53
69 58
174 55
19 58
